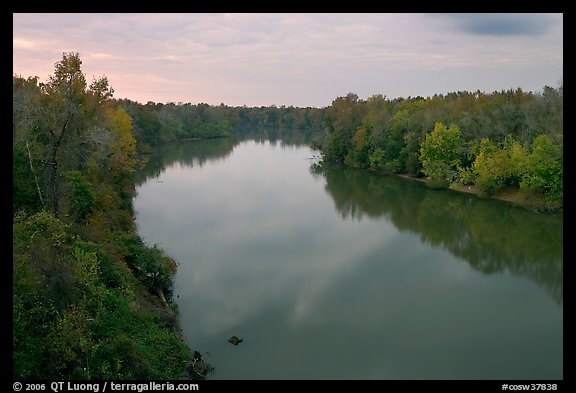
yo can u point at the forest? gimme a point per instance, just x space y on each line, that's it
508 140
91 300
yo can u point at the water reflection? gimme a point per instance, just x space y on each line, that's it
189 153
492 236
347 274
197 152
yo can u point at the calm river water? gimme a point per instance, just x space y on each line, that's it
334 273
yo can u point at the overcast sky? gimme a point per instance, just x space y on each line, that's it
300 59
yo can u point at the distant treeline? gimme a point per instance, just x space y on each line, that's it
92 301
508 138
157 123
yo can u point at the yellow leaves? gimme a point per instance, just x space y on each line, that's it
359 139
122 144
119 120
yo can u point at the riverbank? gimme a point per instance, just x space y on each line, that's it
509 194
168 318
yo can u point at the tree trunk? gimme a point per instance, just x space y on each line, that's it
52 181
34 173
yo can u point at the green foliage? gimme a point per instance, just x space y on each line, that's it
377 158
84 306
43 287
40 229
101 89
409 154
24 192
358 154
337 148
70 340
212 130
439 153
467 175
150 265
82 198
544 172
68 77
518 157
74 307
398 142
492 167
540 172
148 351
342 119
156 124
107 365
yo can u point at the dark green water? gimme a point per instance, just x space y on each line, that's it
334 273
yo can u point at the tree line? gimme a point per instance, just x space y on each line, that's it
506 139
158 123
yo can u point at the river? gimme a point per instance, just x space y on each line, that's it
329 272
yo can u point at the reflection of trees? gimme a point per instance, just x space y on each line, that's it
199 151
286 136
491 236
189 153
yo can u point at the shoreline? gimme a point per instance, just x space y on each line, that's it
508 194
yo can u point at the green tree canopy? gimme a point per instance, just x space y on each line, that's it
440 152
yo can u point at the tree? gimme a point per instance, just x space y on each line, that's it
62 100
439 153
101 89
122 145
81 198
342 119
58 125
545 168
358 153
492 166
518 159
27 145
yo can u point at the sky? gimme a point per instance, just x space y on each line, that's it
294 59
